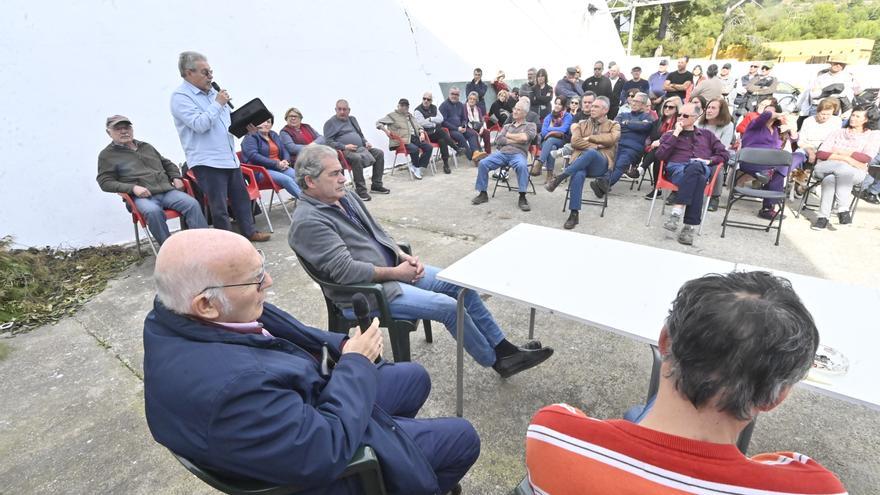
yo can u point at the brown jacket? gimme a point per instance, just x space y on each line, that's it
604 137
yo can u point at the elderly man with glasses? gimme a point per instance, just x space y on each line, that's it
242 388
689 153
429 117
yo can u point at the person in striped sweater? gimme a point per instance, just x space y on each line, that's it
733 345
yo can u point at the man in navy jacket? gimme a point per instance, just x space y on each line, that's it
240 387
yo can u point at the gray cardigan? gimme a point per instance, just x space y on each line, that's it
341 252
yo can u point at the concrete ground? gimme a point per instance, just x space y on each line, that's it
72 416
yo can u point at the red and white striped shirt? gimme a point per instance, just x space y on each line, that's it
568 452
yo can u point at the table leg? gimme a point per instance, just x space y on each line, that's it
531 323
459 354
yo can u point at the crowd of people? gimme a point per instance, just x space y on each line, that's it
243 388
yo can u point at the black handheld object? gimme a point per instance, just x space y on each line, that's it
253 112
361 311
217 88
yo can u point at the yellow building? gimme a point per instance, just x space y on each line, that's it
852 51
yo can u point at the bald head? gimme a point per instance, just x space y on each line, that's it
192 260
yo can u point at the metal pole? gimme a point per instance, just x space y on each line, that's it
531 323
459 354
632 28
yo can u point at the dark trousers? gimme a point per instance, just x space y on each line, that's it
440 137
649 160
691 178
220 185
451 445
357 168
415 147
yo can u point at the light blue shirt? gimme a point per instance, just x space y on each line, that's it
202 125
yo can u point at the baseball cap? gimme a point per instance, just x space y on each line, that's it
664 62
726 66
571 70
116 119
403 102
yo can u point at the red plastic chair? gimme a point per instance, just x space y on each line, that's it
138 218
266 183
400 150
662 183
250 182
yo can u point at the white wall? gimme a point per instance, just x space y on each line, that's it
66 68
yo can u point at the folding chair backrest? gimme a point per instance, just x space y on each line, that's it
763 157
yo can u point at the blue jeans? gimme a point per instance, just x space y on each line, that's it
516 161
422 160
220 185
549 145
286 179
871 185
625 158
435 300
153 209
590 163
691 178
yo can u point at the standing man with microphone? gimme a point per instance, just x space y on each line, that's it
201 112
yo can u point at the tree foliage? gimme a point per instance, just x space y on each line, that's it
694 26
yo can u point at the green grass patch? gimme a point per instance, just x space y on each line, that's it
41 286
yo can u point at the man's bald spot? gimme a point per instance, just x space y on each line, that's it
220 251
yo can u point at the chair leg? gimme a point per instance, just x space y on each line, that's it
429 337
565 201
266 214
703 214
286 210
604 205
137 240
781 218
651 211
399 334
150 240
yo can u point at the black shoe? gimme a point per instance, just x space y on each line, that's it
870 198
480 198
380 189
446 169
572 220
632 172
672 197
521 361
713 203
364 195
599 187
820 224
456 490
532 345
554 183
844 218
523 204
650 195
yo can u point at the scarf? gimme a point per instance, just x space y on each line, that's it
303 135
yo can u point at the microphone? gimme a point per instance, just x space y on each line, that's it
361 311
217 88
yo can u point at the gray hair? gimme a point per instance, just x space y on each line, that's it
187 61
177 288
605 101
310 162
475 94
642 97
524 104
738 341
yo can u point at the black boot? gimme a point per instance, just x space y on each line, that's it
446 168
553 184
572 220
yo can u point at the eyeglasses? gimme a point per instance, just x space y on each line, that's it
670 107
260 280
454 94
294 116
427 99
687 116
204 72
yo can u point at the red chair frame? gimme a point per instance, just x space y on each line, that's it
662 183
138 218
266 183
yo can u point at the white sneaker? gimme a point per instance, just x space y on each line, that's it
416 172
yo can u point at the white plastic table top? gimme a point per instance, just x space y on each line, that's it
596 287
842 313
589 281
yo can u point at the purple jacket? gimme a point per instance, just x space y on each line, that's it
758 136
699 143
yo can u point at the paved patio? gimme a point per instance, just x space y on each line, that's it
72 419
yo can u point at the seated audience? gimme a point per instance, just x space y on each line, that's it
264 148
594 142
455 120
732 346
817 128
240 387
668 118
586 104
501 109
689 153
333 231
718 120
871 183
843 161
747 119
477 123
134 167
296 134
542 102
401 123
554 133
635 125
476 85
770 130
710 88
431 120
699 100
343 133
626 106
568 87
498 84
513 148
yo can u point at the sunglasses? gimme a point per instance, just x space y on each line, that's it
427 99
670 107
687 116
753 66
